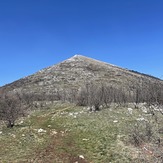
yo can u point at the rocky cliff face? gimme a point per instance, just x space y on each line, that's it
74 72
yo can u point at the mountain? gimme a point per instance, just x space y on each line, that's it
74 72
61 131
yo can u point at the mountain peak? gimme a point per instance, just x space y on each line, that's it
87 60
77 57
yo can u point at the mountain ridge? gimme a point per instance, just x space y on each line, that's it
74 72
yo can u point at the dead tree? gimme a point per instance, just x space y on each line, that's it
12 107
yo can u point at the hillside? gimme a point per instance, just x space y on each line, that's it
74 72
66 133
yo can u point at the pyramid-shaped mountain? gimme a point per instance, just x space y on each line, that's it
74 72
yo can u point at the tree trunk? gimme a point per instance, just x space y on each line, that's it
97 108
10 124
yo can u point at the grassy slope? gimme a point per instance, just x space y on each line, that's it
70 132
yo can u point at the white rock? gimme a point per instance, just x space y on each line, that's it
14 136
88 108
141 119
0 132
70 114
85 139
41 130
144 110
54 132
130 110
81 156
21 122
115 121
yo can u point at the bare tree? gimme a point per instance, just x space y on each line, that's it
95 96
107 93
91 95
11 108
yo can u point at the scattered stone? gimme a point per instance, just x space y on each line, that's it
41 130
21 122
70 114
63 113
144 109
23 135
140 119
14 136
54 132
62 133
88 108
130 110
81 156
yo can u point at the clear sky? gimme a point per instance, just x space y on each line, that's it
35 34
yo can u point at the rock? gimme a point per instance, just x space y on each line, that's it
49 126
130 110
21 122
41 130
144 110
14 136
71 114
81 156
141 119
54 132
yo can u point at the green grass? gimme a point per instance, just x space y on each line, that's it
71 131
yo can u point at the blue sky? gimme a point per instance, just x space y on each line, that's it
35 34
